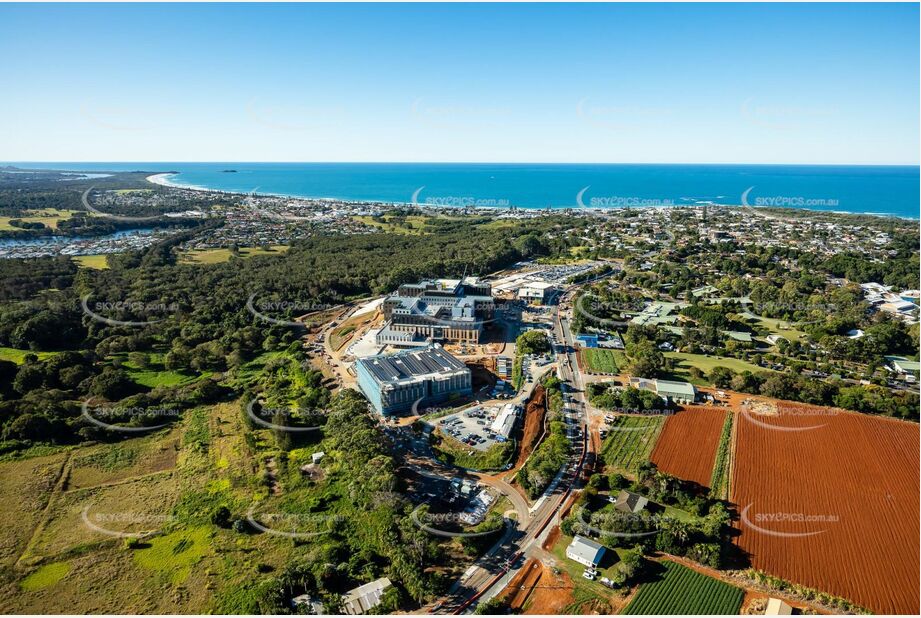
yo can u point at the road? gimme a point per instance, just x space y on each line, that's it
491 573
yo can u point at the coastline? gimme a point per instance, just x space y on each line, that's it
163 179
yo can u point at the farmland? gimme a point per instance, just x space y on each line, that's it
720 479
688 444
680 590
599 360
847 525
630 441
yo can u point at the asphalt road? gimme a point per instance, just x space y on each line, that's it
491 573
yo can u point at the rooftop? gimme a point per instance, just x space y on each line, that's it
412 365
585 549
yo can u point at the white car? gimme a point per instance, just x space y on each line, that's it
588 575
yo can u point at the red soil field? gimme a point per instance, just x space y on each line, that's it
687 444
797 470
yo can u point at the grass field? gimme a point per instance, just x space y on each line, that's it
680 590
48 216
18 356
414 224
91 261
600 360
774 326
630 441
216 256
707 363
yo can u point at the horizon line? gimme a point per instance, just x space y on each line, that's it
48 161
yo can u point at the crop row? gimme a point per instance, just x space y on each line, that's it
680 590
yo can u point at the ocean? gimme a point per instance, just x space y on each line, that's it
878 190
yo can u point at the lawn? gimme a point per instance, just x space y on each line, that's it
600 360
630 441
99 262
413 224
677 589
47 216
18 356
216 256
774 326
156 374
707 363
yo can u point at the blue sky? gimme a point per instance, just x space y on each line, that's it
722 83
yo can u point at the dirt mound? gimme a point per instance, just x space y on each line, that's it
537 589
533 426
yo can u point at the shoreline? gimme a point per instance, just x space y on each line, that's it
163 179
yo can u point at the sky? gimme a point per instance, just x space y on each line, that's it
616 83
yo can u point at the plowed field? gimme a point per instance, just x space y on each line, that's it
829 499
687 445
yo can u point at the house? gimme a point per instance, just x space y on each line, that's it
776 607
629 502
774 339
316 457
365 597
585 551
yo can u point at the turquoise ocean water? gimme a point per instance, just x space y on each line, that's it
881 190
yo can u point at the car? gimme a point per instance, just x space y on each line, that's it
588 575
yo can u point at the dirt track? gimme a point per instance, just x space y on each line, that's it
829 499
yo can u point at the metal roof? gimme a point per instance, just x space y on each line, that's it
586 549
412 365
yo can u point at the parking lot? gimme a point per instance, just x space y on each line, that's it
471 426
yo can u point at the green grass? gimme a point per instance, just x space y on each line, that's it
680 590
98 262
630 440
707 363
216 256
720 479
774 326
50 217
415 224
45 576
176 553
600 360
155 373
18 356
